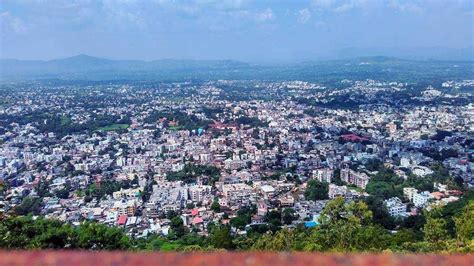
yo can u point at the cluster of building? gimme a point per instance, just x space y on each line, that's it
267 164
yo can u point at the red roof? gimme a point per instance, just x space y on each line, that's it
455 192
353 137
197 220
437 195
222 126
122 219
194 212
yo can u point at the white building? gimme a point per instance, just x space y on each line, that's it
236 194
268 191
199 193
405 162
130 193
440 187
421 171
336 191
125 207
420 199
409 192
395 207
323 175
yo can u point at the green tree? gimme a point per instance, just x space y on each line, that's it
244 242
316 190
42 188
215 206
342 224
221 237
435 227
53 234
403 237
240 221
337 178
96 236
177 226
464 223
380 213
273 218
26 233
29 205
288 215
283 240
64 192
385 184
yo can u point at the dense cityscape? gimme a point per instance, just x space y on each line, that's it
236 132
354 165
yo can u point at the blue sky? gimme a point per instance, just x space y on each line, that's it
224 29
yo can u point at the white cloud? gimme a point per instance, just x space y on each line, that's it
11 24
265 15
304 15
352 5
341 5
321 25
125 15
405 6
222 4
323 3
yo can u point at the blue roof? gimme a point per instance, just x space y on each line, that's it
311 224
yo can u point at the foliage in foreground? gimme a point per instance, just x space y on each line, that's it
344 228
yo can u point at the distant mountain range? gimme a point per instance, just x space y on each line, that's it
84 67
83 64
414 53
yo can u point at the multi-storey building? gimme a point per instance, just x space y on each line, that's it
420 199
356 178
236 194
125 207
395 207
323 175
198 193
409 192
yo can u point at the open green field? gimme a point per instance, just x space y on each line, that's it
358 189
175 128
114 127
4 102
65 120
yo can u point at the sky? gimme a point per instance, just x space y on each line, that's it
224 29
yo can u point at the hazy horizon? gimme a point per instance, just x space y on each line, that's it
241 30
333 56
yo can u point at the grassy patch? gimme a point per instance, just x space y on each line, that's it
114 127
65 120
4 102
175 128
356 188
